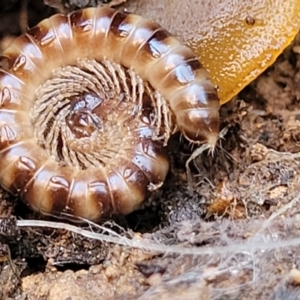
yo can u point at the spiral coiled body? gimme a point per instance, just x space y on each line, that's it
87 103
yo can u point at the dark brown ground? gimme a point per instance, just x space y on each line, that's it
246 194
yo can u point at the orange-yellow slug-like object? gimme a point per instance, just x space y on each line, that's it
236 40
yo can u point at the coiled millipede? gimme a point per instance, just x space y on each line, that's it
88 102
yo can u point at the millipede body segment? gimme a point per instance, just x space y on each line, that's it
87 103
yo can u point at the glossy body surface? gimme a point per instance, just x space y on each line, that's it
88 102
235 40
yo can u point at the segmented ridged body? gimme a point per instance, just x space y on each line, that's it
50 151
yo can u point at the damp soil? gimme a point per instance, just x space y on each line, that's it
245 193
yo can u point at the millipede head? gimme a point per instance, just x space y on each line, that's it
197 113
